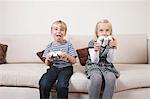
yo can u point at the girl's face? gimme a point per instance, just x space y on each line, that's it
58 32
103 29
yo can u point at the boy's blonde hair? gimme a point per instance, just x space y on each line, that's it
61 24
103 21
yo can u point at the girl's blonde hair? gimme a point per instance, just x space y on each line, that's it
103 21
61 24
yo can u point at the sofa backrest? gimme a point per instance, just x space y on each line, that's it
149 49
131 48
23 48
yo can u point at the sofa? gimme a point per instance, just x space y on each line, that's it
20 75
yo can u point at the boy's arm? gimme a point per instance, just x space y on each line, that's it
48 59
46 55
72 54
71 59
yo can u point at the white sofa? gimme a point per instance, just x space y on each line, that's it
19 77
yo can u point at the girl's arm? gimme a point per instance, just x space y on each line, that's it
113 43
111 53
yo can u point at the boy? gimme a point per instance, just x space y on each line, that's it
60 55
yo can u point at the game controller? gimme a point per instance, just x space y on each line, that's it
104 40
55 55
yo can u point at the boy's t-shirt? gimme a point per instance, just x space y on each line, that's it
66 47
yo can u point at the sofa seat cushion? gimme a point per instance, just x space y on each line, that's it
78 82
141 93
28 75
132 76
21 74
19 93
132 79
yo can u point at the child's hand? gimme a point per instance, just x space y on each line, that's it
48 59
64 55
113 43
96 46
48 56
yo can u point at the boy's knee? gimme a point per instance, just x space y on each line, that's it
44 84
61 85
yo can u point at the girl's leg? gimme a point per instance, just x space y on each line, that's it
63 82
46 82
110 79
95 85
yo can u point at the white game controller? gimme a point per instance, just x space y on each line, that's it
55 55
104 40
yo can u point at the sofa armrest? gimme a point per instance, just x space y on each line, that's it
149 48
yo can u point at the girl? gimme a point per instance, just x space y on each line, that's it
100 69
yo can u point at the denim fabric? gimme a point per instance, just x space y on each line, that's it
62 75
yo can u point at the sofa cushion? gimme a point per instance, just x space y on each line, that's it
23 48
26 47
132 76
21 74
3 50
149 49
82 55
40 54
18 93
140 93
78 82
129 47
28 75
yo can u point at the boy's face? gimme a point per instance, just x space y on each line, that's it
58 32
103 29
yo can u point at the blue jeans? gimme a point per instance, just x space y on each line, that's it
62 75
